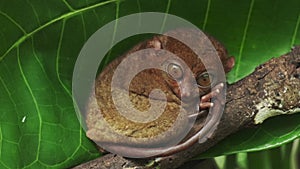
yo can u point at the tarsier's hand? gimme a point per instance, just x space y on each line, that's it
205 100
187 81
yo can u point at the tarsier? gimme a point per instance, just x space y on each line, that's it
105 124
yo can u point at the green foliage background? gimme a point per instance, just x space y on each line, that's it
40 41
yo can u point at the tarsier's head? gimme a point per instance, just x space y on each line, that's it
176 69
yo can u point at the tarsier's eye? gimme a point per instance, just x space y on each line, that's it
174 70
204 80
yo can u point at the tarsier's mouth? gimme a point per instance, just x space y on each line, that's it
196 115
192 109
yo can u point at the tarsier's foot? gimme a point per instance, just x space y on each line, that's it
205 100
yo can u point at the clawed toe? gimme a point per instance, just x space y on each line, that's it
205 100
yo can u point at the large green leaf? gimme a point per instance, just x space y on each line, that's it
40 41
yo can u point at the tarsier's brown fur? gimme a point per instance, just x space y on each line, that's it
101 108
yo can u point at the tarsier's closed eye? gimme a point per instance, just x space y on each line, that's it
205 80
174 70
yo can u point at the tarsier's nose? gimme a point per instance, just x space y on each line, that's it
188 92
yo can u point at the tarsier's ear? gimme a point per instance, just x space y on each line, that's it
229 64
154 43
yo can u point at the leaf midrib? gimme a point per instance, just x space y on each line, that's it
64 16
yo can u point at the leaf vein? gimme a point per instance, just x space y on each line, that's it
114 32
64 16
13 142
296 30
14 22
68 5
206 14
9 94
83 27
35 104
244 37
58 57
4 165
97 17
66 89
39 62
35 13
165 18
1 141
